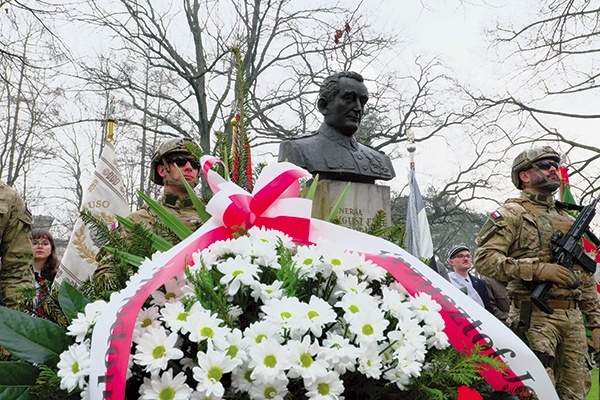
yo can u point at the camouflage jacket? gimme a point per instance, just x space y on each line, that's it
15 245
180 206
516 238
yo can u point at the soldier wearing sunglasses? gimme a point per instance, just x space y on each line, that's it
515 247
169 156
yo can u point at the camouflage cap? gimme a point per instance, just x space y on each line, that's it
528 157
169 146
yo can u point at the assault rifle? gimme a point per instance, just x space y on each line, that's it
567 251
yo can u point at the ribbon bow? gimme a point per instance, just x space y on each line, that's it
274 202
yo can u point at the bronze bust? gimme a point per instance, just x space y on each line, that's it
332 151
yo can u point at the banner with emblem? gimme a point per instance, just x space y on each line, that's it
104 198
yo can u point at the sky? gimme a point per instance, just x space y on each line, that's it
452 30
455 31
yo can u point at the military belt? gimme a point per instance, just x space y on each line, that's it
553 303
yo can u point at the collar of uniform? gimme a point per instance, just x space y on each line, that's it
546 199
348 142
176 201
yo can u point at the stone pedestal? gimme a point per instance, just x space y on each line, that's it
360 205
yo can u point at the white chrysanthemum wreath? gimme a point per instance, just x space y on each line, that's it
259 317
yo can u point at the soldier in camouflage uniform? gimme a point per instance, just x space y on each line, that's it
514 247
175 198
15 246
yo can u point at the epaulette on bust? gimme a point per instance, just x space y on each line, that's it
303 136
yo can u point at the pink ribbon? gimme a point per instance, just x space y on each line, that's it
273 204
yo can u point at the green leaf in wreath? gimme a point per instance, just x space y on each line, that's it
16 380
198 204
158 243
132 259
166 217
71 301
31 339
338 203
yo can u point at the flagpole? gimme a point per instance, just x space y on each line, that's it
410 147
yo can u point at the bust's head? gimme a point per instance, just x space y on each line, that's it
342 99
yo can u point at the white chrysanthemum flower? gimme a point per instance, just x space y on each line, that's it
409 334
174 290
176 317
339 353
206 326
407 362
335 260
286 313
265 254
368 270
85 393
74 366
369 326
355 303
83 323
155 349
327 387
266 292
319 313
241 378
302 356
269 390
212 365
203 259
425 307
308 258
269 360
259 331
147 319
370 361
272 236
241 246
350 284
235 312
202 395
397 304
165 387
235 348
237 271
397 377
438 340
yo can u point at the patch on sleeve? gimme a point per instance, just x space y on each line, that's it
495 215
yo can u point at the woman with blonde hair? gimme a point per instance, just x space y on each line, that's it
45 264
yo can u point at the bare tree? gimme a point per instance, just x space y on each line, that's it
558 52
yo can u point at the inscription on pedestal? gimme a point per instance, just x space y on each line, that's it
359 207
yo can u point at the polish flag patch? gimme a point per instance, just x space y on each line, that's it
495 215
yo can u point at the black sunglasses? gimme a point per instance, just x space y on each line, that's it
180 161
546 165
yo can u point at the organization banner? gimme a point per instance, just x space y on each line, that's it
104 198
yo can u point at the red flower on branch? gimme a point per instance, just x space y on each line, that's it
466 393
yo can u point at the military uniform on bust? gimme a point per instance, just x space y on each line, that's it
333 152
514 247
354 161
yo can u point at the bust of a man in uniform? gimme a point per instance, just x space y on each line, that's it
332 151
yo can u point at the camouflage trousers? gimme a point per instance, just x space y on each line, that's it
561 336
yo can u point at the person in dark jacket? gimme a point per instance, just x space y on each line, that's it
460 260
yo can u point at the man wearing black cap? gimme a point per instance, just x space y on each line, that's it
460 259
